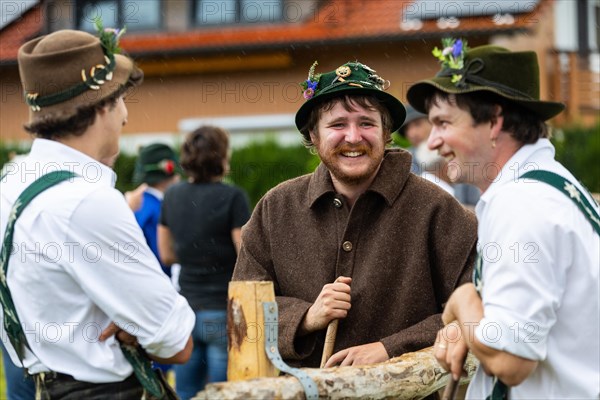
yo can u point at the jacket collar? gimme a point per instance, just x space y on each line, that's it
389 182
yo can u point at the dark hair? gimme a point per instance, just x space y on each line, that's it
348 102
524 125
76 125
203 153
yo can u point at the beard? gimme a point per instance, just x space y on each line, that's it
429 160
331 159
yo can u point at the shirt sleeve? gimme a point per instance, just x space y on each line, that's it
164 206
522 276
121 275
240 210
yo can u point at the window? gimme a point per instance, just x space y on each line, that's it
134 14
214 12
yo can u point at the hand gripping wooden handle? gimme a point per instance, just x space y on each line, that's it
329 341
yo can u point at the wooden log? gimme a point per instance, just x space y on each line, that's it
410 376
245 330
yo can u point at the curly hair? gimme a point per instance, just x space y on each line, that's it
349 103
204 152
523 125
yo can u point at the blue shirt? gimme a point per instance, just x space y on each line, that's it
147 217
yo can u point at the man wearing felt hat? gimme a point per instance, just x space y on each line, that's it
416 130
156 169
79 266
531 314
361 239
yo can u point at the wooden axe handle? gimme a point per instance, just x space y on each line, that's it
329 341
451 389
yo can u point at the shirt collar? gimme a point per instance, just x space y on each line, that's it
57 156
389 182
516 166
155 192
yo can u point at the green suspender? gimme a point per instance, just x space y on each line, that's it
569 190
140 362
500 390
11 319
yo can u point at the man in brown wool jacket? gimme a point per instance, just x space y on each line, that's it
361 239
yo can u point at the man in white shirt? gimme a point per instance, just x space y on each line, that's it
80 269
531 316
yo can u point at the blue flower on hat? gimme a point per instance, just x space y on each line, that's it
310 85
457 48
452 56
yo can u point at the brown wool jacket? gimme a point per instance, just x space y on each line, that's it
412 244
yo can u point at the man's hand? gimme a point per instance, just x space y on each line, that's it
464 300
332 303
359 355
450 349
122 336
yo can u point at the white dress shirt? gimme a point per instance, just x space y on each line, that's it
79 262
541 286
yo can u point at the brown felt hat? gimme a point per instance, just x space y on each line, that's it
68 69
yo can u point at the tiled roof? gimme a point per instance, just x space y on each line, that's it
20 30
335 21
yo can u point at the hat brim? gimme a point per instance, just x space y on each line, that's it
394 106
125 73
420 91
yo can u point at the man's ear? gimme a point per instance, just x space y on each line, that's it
313 136
497 122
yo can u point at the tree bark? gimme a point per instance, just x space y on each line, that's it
410 376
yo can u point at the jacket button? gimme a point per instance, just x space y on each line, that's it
337 203
347 246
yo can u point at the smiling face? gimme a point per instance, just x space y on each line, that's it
464 144
350 143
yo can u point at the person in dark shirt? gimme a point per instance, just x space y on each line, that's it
200 228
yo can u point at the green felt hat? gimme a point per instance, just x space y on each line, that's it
512 75
156 162
351 78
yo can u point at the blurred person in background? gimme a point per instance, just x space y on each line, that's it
200 228
156 168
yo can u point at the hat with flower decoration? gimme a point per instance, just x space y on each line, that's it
510 74
351 78
69 69
156 162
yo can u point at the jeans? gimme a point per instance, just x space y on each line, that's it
208 362
18 386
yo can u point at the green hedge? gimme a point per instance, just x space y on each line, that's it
262 165
578 149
